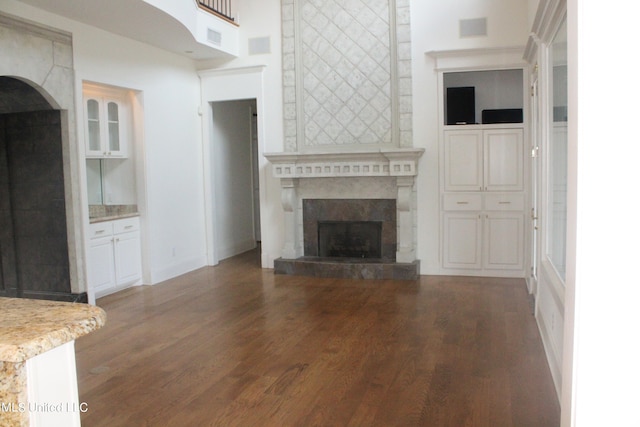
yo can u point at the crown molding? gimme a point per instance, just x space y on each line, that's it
457 59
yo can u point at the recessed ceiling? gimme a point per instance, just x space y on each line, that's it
134 19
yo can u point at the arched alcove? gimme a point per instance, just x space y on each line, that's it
41 204
33 242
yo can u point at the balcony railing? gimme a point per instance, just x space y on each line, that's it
221 8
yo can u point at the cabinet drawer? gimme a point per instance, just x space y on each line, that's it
100 229
504 202
462 202
126 225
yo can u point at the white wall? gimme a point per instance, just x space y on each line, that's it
167 84
232 177
259 19
434 26
173 215
437 23
601 371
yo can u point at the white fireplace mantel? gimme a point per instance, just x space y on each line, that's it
401 164
383 162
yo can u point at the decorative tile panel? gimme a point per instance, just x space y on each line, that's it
342 74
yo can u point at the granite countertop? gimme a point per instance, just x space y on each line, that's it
100 213
31 327
112 218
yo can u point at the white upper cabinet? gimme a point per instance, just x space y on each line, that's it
483 160
503 160
106 124
463 158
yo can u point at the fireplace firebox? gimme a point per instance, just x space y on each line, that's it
353 221
350 239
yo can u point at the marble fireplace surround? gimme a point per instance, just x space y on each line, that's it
372 174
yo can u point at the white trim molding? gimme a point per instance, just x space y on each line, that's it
392 162
461 59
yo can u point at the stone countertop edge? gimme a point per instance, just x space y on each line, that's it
94 220
31 327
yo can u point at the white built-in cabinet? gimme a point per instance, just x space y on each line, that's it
483 204
106 125
114 255
482 167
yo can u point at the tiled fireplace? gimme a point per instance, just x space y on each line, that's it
356 188
348 114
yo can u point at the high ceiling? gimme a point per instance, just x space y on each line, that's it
134 19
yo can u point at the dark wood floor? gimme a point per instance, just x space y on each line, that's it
235 345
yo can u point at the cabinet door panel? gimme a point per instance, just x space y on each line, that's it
503 160
462 240
92 127
463 160
127 252
100 268
504 240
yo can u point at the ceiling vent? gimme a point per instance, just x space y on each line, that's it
473 27
214 37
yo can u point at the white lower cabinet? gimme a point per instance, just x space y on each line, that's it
114 255
503 235
462 240
483 234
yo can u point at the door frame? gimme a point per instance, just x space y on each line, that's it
228 85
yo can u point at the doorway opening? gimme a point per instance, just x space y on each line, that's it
235 178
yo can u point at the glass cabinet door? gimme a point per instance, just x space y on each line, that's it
104 128
113 126
93 126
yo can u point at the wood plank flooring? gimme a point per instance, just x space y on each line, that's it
235 345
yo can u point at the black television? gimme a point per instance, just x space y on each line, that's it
461 105
503 115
